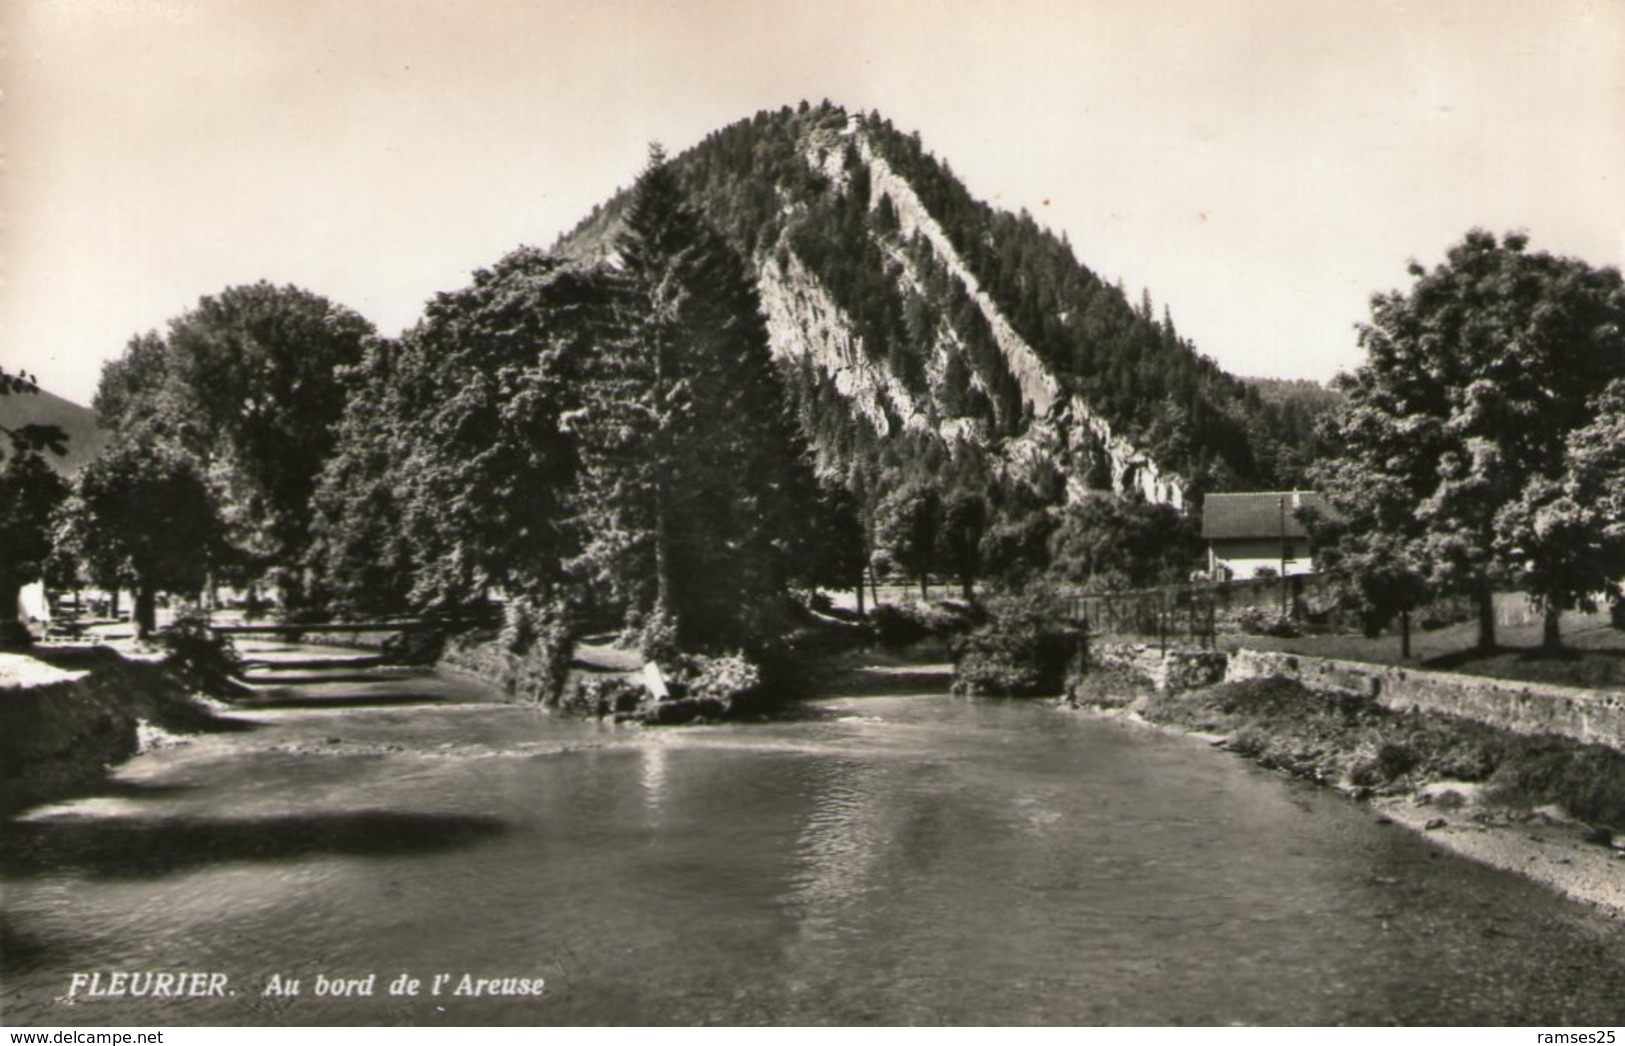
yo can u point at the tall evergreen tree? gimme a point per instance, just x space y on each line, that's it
689 497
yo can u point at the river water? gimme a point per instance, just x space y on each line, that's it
894 855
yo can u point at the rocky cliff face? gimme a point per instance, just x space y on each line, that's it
806 323
931 315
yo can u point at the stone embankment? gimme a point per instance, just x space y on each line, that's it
63 724
1581 714
1529 709
533 671
57 731
1526 777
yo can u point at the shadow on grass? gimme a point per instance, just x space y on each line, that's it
136 790
1569 665
131 848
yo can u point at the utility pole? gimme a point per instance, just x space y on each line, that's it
1280 503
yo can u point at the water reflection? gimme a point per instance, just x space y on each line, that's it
652 774
837 846
894 859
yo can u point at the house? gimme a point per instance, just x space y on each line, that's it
1249 532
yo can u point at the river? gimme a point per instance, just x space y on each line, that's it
894 855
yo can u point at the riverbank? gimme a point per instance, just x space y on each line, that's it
73 712
1548 808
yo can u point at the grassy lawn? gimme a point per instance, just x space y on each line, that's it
1593 654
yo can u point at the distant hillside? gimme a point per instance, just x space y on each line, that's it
1296 408
85 437
906 313
1313 397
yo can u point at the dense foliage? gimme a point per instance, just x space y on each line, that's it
146 509
1025 648
1478 445
30 492
609 444
452 464
695 495
246 387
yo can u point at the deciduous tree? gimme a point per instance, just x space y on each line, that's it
30 491
247 385
145 505
1452 442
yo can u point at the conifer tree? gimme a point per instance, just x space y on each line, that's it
688 499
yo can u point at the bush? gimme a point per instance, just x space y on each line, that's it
1444 612
704 687
1024 650
900 625
202 660
532 651
421 646
1588 781
728 678
1257 621
655 637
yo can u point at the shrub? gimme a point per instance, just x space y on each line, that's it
709 687
203 660
1257 621
1023 650
728 678
900 625
1588 781
656 637
1444 612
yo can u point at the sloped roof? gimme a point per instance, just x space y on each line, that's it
1262 514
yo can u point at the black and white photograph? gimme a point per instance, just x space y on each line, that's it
1037 513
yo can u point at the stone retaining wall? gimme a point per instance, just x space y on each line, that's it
57 733
537 675
1173 670
1591 716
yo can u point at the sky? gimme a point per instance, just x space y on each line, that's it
1261 166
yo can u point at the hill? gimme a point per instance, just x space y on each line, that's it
919 328
85 437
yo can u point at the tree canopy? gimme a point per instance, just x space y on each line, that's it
1452 450
30 491
247 384
144 505
453 463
